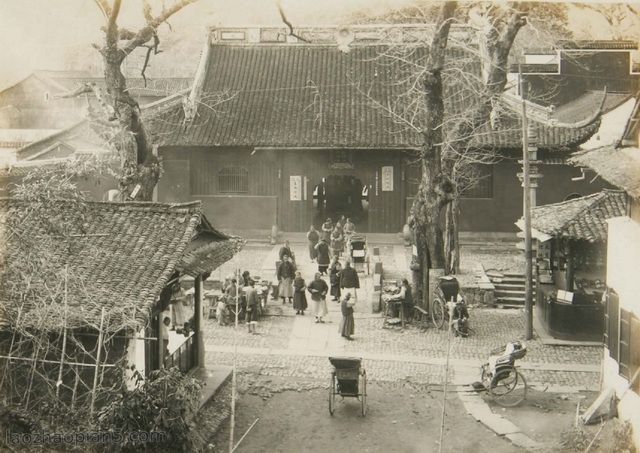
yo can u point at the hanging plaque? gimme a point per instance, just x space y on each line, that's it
387 179
295 188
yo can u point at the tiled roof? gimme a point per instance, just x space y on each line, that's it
598 44
314 96
620 167
509 135
584 106
125 253
582 218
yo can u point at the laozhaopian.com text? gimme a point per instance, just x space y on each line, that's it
83 437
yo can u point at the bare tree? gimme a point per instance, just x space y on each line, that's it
119 119
482 37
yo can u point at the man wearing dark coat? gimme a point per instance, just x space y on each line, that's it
349 281
319 289
285 250
323 256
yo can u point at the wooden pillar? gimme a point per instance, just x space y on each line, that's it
160 336
199 333
570 268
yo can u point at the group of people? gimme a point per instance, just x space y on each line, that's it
342 287
246 295
330 242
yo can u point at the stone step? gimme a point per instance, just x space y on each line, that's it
509 285
512 279
508 292
510 300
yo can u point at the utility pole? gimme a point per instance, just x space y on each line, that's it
526 184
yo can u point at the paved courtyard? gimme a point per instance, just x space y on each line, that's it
290 345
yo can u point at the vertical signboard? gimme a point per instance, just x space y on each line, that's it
295 188
387 179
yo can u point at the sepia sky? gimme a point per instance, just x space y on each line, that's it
53 34
37 34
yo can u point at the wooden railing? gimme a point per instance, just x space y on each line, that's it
184 357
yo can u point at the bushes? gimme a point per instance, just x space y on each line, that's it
163 405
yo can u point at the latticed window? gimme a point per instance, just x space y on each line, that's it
233 180
483 187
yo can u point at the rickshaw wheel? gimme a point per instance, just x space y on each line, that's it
437 312
332 394
508 387
363 394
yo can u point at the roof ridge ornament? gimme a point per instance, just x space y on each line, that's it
544 114
344 37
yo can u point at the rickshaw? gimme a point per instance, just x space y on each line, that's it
500 377
357 248
349 380
446 294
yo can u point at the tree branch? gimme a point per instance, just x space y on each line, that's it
91 88
147 32
439 42
288 24
112 24
104 7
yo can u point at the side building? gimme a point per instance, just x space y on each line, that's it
621 167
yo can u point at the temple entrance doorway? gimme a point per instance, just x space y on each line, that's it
342 195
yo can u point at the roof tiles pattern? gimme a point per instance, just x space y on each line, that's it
318 96
124 252
581 218
620 167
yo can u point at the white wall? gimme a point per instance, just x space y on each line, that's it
623 262
623 275
135 356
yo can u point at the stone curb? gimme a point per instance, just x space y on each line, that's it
478 409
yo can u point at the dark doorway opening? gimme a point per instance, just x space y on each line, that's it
342 195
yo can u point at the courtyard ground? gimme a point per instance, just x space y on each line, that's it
283 378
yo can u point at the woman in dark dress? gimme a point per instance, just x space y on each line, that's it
334 278
347 325
299 296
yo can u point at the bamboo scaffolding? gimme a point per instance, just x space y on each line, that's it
75 388
444 393
64 333
33 370
31 359
95 376
235 357
13 338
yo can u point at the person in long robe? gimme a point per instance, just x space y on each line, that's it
313 237
347 325
319 289
299 294
286 274
323 256
334 278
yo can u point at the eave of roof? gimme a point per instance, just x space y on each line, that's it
581 218
618 166
126 250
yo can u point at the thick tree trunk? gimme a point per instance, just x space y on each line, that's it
436 189
139 167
